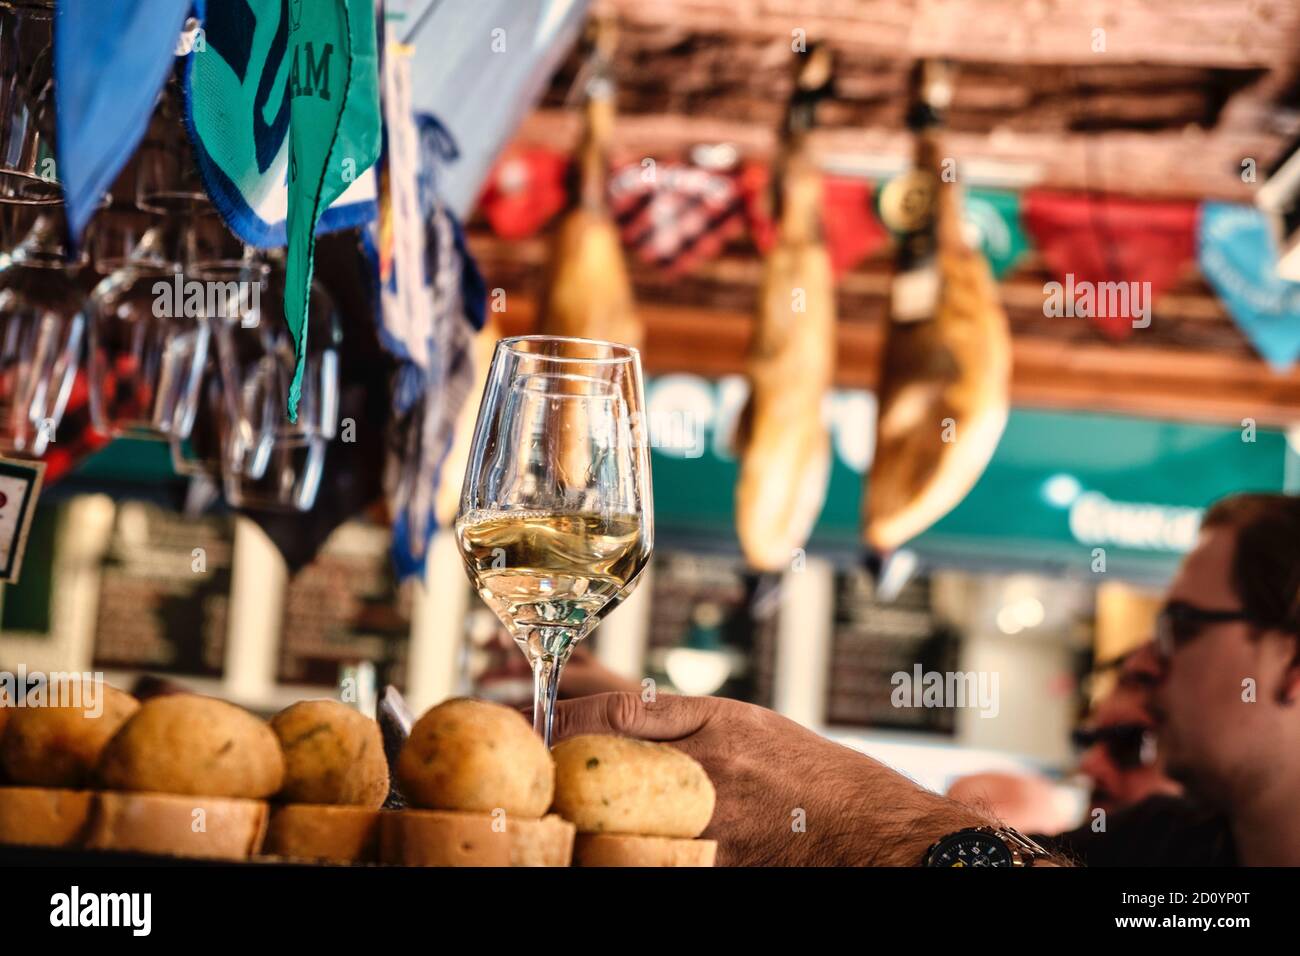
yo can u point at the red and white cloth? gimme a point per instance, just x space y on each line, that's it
674 215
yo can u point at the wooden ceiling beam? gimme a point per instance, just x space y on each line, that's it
1213 33
1191 163
519 262
1100 377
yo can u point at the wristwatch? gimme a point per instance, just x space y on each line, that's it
984 846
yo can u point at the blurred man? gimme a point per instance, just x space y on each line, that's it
1119 752
1226 706
1225 667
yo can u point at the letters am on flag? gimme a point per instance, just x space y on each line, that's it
283 108
239 84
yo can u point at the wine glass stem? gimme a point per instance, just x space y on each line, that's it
546 684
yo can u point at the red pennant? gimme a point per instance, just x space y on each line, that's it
1094 242
525 191
675 215
754 181
852 230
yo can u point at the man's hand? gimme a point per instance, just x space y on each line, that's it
786 796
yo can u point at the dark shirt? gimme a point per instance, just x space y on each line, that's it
1159 831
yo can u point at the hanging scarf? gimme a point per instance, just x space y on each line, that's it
286 90
432 399
992 220
480 66
431 298
237 116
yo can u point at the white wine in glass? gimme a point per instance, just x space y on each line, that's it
556 518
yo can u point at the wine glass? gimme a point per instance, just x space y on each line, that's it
147 329
268 462
41 293
556 514
27 87
148 344
197 438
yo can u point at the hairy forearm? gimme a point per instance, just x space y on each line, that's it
888 820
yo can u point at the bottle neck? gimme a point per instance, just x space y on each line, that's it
593 152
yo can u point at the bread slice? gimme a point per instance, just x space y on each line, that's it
617 849
44 816
214 828
325 834
544 842
453 838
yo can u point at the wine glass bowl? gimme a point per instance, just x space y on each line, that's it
556 518
266 461
27 87
146 353
41 294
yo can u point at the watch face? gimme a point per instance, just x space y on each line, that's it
970 848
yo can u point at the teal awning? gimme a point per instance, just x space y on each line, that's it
1061 484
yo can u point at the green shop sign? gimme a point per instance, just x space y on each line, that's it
1061 486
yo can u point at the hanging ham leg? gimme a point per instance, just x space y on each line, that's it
782 438
945 381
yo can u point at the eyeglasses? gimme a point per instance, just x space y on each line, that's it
1180 622
1130 745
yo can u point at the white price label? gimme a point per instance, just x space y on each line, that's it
20 485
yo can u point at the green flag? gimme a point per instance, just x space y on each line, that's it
334 135
994 214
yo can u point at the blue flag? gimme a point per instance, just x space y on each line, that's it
110 60
1238 257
